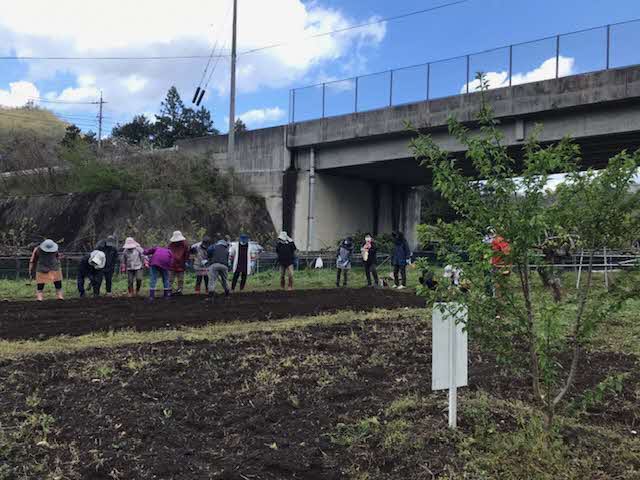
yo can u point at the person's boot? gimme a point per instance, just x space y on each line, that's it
152 295
167 293
197 290
138 287
290 284
59 294
211 297
130 292
39 296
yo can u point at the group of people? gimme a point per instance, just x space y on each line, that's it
212 262
400 259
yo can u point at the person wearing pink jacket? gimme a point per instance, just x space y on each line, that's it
160 262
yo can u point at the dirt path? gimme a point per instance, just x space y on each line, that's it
30 320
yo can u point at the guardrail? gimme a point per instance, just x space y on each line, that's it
593 49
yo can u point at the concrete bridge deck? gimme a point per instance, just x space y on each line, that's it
355 172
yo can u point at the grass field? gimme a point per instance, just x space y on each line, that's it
265 280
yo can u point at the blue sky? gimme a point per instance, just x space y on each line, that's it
265 78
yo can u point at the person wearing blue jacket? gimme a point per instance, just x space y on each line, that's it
400 259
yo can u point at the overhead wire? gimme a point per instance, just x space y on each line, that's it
353 27
246 52
200 90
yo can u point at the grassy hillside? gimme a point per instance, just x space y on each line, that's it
33 120
28 137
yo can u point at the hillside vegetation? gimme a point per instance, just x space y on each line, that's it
28 137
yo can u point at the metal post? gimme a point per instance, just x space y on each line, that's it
428 79
608 46
17 268
606 271
453 384
557 56
467 73
293 106
356 100
580 269
100 123
312 184
232 100
510 65
324 89
390 88
290 112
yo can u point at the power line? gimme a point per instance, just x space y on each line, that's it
353 27
246 52
66 102
44 121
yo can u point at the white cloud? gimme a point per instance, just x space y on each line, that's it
134 83
152 28
19 94
260 116
545 71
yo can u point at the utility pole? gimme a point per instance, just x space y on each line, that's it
100 123
232 101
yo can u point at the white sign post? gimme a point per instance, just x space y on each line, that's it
449 355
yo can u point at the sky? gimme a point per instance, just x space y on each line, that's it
121 28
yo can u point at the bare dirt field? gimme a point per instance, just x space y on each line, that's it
349 400
30 320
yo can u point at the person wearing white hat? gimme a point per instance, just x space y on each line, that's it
132 264
286 250
91 266
180 252
45 260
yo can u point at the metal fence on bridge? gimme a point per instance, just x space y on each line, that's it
583 51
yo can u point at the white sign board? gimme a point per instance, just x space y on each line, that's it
446 333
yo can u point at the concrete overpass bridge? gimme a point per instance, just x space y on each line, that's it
325 178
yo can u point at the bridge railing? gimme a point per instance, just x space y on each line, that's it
583 51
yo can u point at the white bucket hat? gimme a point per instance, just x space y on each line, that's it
49 246
97 259
284 237
130 243
177 237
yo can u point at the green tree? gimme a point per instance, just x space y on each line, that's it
240 126
511 197
71 134
176 121
139 131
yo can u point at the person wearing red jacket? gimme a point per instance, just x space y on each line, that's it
180 252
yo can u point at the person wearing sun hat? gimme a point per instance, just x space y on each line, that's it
180 256
286 250
91 267
110 248
45 261
201 263
132 264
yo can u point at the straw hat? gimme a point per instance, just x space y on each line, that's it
49 246
177 237
97 259
130 243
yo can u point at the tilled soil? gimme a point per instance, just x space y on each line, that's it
324 402
32 320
